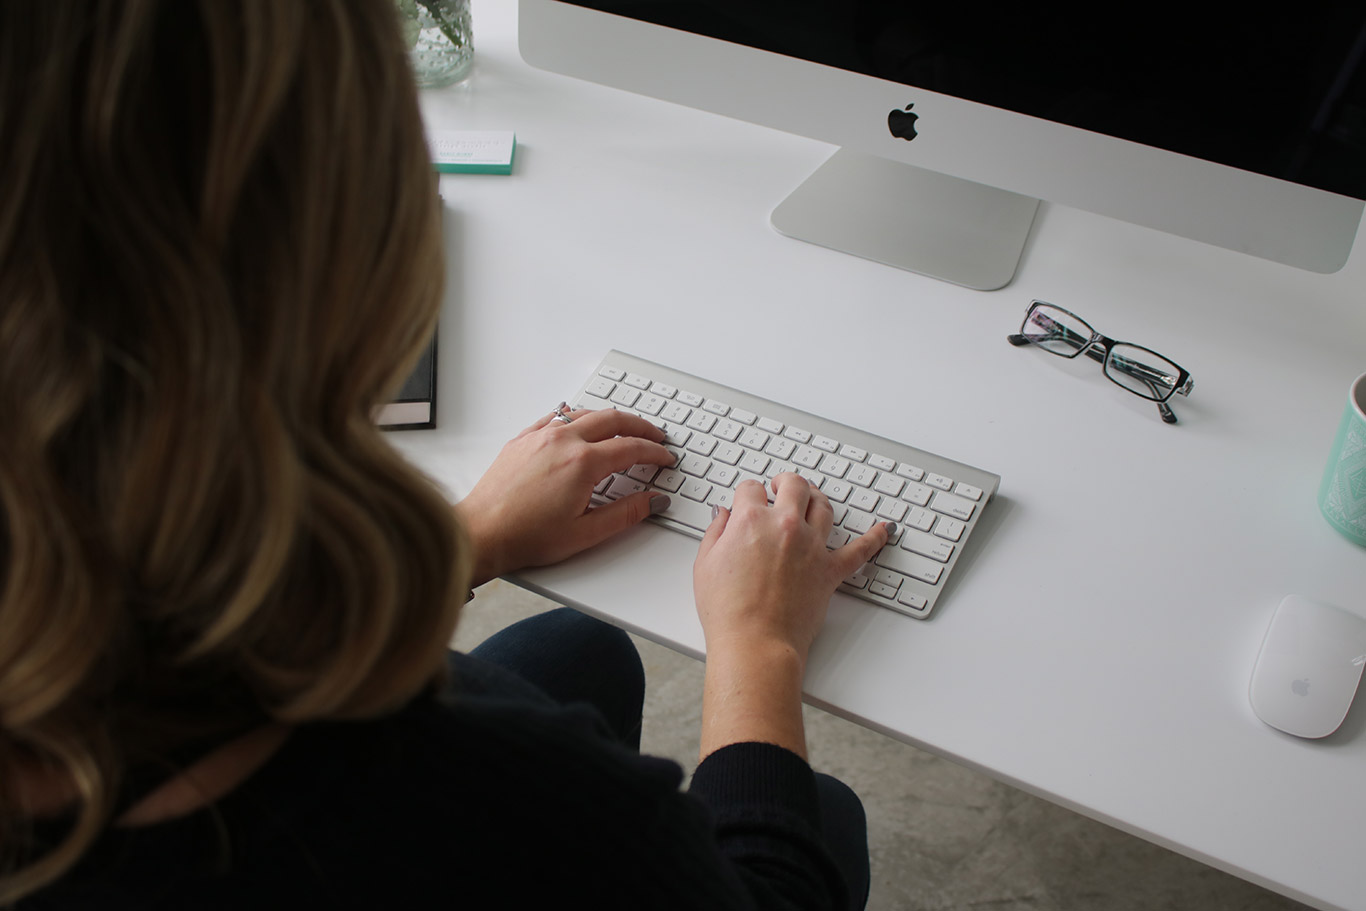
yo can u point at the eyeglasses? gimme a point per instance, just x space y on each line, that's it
1142 371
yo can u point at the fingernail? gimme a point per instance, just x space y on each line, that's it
891 528
715 511
659 504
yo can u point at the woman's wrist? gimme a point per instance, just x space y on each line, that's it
752 692
486 560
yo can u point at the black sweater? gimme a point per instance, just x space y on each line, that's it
477 804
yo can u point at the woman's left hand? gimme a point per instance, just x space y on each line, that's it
531 507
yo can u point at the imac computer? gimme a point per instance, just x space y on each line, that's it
1236 126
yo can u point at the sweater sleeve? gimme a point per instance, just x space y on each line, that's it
767 814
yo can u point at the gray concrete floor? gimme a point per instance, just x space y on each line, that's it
941 837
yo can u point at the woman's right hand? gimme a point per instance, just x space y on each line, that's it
764 573
763 580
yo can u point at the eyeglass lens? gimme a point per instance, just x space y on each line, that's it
1057 331
1141 371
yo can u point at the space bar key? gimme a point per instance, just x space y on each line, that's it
696 516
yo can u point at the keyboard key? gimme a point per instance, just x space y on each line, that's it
864 499
834 466
755 462
701 444
695 465
777 467
837 491
863 475
650 404
918 494
909 564
910 471
623 486
676 412
950 505
769 425
949 529
882 589
643 473
968 491
893 510
888 578
730 453
723 475
858 521
939 481
781 448
853 453
753 439
911 599
600 387
675 435
741 416
919 518
695 489
918 542
669 479
701 422
857 580
890 485
694 514
727 430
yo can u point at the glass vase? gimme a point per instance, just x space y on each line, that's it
440 40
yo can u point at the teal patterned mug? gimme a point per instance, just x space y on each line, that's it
1342 495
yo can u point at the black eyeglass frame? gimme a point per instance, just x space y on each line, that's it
1101 348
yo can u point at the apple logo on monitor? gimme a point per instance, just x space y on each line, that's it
902 123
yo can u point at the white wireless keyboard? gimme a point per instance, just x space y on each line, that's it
722 436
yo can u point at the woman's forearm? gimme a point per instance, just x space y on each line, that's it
753 693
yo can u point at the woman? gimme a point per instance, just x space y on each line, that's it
224 598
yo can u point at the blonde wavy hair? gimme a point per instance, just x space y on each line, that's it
219 252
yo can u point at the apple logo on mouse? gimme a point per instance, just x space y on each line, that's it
1300 687
902 123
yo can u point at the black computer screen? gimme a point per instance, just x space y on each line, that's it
1275 89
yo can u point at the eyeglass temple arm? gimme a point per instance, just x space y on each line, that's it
1148 378
1141 372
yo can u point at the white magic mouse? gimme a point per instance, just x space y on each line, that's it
1309 667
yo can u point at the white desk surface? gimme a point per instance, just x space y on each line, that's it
1095 648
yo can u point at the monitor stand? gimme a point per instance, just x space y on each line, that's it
923 221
